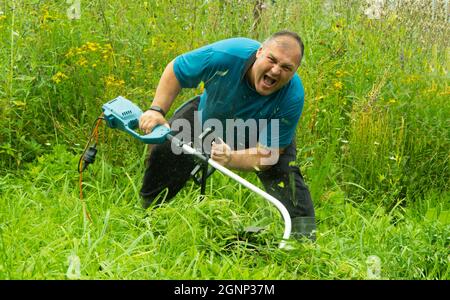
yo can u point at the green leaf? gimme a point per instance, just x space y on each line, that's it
444 217
19 103
25 78
431 214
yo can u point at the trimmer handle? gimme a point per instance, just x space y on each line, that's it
124 115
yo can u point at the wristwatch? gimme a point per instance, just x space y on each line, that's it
158 109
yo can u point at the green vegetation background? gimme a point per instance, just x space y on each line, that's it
373 144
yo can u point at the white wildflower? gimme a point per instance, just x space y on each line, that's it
73 271
373 267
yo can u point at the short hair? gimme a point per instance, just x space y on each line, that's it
290 34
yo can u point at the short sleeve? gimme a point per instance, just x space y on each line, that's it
192 67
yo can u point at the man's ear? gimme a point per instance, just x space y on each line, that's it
259 52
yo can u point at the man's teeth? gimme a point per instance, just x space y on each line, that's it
268 80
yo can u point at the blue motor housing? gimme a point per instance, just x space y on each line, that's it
124 115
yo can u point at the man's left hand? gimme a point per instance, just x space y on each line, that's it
221 152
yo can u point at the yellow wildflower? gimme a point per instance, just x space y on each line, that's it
82 61
433 88
411 78
338 26
445 92
46 17
338 85
88 47
92 46
319 98
58 77
124 60
340 73
72 52
112 81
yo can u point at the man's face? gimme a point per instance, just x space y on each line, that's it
276 63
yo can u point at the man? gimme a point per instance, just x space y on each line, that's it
243 80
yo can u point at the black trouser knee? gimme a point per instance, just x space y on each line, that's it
285 182
166 170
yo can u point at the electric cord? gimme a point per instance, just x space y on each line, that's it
88 157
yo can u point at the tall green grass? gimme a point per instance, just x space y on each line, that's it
42 225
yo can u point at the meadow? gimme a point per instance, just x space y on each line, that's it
373 143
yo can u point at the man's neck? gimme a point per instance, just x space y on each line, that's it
250 78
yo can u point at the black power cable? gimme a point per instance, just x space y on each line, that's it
89 152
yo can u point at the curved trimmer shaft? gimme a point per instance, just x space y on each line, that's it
287 218
122 114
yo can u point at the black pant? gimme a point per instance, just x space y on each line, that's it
166 170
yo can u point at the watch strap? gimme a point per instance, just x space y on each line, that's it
158 109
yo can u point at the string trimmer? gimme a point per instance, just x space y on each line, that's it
122 114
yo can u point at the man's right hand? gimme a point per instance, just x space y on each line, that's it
150 119
168 88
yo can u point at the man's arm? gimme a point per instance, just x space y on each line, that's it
166 92
258 158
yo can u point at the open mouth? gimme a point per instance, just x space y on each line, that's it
269 81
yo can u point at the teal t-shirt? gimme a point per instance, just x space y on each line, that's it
228 96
